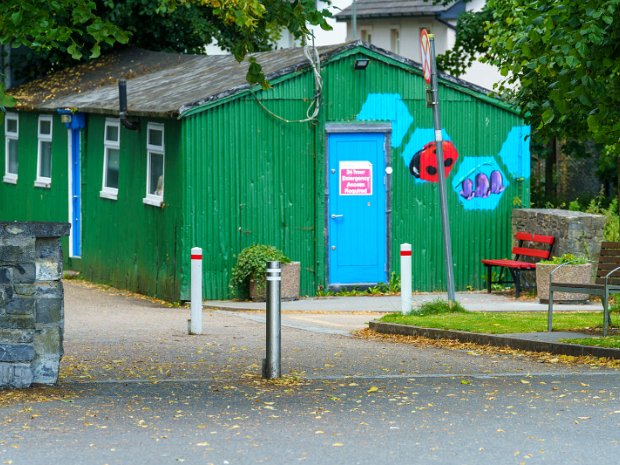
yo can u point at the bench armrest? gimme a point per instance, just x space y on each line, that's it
608 275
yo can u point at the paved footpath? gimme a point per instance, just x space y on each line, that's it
137 389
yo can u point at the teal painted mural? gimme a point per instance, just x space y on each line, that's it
479 181
390 107
515 152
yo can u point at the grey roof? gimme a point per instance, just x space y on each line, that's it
367 9
158 84
169 84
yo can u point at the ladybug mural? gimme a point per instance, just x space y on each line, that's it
423 164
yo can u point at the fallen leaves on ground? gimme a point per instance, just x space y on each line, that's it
35 395
542 357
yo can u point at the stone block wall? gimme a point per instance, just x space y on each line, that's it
575 232
31 303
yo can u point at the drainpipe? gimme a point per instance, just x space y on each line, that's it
122 103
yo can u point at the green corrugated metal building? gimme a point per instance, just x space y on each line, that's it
331 164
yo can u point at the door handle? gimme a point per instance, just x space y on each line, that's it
334 216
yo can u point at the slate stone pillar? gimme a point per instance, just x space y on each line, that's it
575 232
31 303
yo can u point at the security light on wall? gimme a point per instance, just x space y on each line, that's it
361 63
66 115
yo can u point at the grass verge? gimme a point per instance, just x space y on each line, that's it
501 322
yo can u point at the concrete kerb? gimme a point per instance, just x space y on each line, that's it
526 342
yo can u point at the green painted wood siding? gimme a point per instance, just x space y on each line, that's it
126 243
250 179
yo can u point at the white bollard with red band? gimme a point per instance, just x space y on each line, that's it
195 326
405 278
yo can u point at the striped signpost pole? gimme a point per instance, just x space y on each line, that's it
196 291
405 278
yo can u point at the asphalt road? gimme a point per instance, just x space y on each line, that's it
137 389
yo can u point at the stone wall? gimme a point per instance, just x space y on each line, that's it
575 232
31 303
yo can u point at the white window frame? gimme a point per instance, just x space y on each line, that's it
395 39
9 177
109 192
151 199
43 181
365 34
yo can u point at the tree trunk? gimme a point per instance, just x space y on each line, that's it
550 189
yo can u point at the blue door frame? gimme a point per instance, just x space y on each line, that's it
75 184
357 205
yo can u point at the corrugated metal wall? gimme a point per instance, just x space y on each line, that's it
236 175
251 180
23 201
477 128
126 243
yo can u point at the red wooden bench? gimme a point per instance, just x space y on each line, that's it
516 266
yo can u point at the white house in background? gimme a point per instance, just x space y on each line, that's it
396 25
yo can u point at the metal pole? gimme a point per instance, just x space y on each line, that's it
447 244
405 278
272 364
195 326
354 20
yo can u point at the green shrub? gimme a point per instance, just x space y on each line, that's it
600 205
438 306
251 265
611 232
567 258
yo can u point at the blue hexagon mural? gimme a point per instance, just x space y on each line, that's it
515 152
479 183
388 107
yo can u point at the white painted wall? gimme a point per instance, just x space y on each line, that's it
380 31
409 31
339 33
481 74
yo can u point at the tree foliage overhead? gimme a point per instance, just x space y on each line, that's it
561 57
59 30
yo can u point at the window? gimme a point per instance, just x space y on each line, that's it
11 136
395 40
111 159
154 165
44 153
366 35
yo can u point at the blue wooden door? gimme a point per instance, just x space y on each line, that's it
356 215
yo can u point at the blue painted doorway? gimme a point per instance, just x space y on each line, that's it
75 184
357 208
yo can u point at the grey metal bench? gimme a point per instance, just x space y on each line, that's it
607 282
